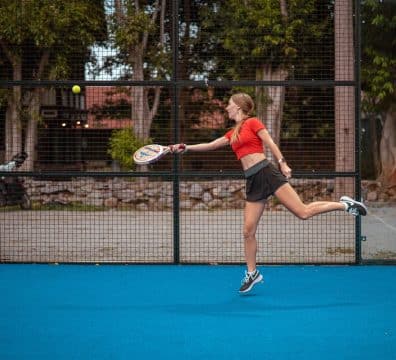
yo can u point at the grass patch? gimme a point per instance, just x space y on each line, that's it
68 207
55 206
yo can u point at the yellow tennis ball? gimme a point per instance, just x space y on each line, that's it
76 89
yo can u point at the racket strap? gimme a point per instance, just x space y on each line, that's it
183 147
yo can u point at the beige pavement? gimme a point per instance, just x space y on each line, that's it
143 236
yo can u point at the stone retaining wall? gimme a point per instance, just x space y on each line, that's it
194 195
124 193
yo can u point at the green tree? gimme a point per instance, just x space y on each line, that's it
138 34
263 40
378 82
38 37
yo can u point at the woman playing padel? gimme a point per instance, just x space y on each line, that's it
248 140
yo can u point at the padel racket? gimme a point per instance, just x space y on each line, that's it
149 154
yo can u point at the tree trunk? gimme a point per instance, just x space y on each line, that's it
137 96
182 68
270 101
31 131
8 130
13 115
138 102
142 114
344 96
388 149
13 123
34 103
373 131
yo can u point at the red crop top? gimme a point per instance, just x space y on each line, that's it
249 142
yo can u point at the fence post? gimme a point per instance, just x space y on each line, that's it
358 227
176 132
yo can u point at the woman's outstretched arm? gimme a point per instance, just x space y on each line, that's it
213 145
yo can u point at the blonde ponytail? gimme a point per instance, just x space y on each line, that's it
235 133
245 102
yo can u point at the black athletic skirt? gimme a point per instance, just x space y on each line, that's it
262 180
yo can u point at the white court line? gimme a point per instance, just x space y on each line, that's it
384 222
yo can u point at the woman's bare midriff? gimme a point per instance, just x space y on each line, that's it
251 159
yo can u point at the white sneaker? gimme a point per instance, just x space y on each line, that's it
354 207
249 281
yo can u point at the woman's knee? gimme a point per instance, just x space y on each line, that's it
249 232
303 213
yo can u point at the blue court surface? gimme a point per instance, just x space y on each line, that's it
195 312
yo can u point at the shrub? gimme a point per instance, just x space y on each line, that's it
123 143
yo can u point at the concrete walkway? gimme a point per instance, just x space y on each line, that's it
205 236
379 228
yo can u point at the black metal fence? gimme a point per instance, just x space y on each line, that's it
166 69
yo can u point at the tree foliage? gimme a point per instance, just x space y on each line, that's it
38 37
378 55
29 28
379 85
137 33
254 32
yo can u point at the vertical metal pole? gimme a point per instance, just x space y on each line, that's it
358 128
176 133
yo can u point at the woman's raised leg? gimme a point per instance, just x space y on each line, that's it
290 199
